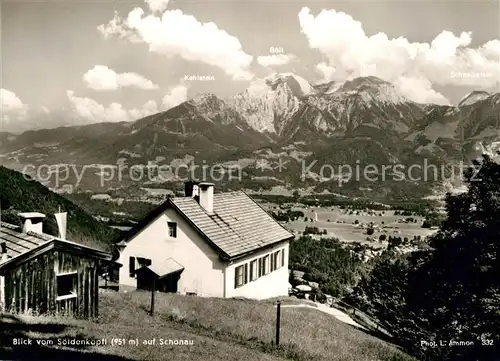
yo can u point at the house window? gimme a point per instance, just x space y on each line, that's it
273 264
131 266
266 264
262 268
66 285
240 275
283 257
276 260
253 270
172 229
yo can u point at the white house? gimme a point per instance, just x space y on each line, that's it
206 244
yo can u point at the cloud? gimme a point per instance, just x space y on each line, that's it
178 34
175 97
327 72
101 77
447 61
11 107
151 107
275 59
419 89
94 112
157 6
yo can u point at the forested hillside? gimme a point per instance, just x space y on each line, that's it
327 262
450 294
19 194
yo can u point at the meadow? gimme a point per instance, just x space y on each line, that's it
339 223
206 329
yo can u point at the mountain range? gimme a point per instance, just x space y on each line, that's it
281 119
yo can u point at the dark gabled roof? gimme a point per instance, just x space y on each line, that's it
17 242
23 246
237 226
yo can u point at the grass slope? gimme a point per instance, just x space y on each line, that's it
221 329
18 194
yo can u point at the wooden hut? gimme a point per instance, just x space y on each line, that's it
42 273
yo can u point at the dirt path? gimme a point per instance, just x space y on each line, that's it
342 316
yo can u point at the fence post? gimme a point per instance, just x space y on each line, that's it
153 296
278 316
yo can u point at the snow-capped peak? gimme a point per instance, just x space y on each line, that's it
207 102
267 103
473 97
203 97
372 88
298 85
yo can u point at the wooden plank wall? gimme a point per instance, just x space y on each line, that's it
33 285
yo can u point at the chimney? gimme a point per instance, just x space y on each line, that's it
61 220
191 189
32 221
207 197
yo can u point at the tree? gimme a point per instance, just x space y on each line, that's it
462 296
394 242
292 279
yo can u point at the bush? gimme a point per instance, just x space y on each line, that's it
312 230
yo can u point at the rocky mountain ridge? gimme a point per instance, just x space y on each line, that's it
361 121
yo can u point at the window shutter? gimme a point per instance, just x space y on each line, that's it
283 257
245 278
236 277
131 266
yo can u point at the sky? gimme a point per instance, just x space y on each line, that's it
79 62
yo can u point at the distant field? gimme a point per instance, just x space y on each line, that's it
220 329
348 232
